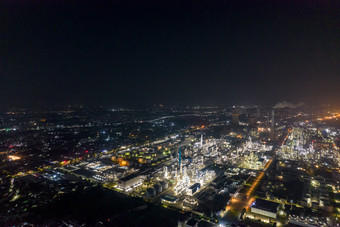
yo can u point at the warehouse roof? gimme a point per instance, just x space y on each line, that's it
265 205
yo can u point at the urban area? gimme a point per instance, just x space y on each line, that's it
170 166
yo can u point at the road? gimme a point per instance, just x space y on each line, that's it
244 200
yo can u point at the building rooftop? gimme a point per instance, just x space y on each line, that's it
265 205
195 185
169 198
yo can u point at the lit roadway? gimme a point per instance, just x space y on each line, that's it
243 200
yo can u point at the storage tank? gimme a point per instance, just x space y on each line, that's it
150 192
158 188
164 184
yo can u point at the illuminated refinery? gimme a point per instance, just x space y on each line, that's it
223 171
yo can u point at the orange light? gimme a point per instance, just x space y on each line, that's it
13 157
251 201
124 163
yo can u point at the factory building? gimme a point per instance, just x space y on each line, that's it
129 182
169 198
193 188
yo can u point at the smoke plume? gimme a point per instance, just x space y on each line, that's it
286 104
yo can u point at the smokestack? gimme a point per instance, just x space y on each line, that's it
272 130
273 119
268 116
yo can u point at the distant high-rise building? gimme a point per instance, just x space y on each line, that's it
252 121
258 112
235 114
235 118
268 116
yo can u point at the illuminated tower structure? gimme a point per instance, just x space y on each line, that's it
165 171
180 161
312 151
201 141
301 143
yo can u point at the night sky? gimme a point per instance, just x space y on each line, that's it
169 52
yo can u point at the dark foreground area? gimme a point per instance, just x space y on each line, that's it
99 206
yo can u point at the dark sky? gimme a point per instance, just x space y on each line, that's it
191 52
